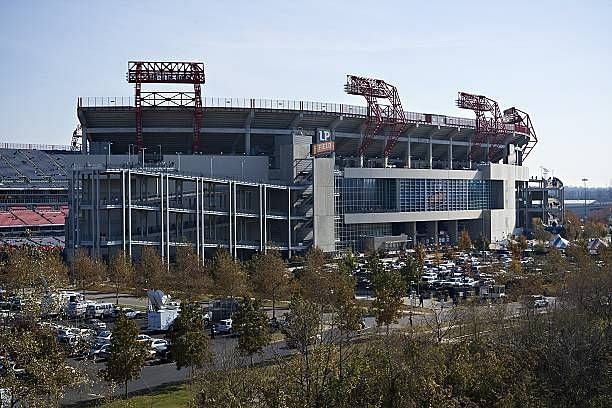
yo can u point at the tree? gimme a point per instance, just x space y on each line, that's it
86 271
189 344
389 289
465 243
539 233
151 272
302 324
189 276
419 254
410 271
41 374
251 325
269 276
120 271
229 276
482 243
127 354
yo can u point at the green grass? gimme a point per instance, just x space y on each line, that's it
173 396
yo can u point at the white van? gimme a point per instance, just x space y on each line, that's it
98 310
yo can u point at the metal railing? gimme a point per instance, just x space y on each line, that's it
286 104
279 104
34 146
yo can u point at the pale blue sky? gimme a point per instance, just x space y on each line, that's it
551 58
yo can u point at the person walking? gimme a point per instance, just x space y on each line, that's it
421 300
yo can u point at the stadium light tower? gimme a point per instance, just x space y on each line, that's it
391 115
155 72
490 127
522 123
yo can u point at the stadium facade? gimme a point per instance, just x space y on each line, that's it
285 175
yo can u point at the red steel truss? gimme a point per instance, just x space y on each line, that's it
490 126
522 123
141 72
77 138
379 114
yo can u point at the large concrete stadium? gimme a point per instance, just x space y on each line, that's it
264 175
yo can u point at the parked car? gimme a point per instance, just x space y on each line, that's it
539 301
223 327
100 353
159 345
144 338
129 312
97 325
103 338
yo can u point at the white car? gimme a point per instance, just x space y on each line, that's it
159 344
143 338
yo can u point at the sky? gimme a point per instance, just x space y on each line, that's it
552 59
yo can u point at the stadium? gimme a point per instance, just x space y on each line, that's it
167 169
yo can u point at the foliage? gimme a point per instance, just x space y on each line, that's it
465 243
250 322
86 271
189 344
269 276
151 272
389 289
411 274
120 271
189 277
41 374
302 324
229 276
482 243
127 354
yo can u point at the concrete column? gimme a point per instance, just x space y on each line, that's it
436 233
289 222
414 234
453 231
430 153
197 191
161 215
265 214
97 204
229 216
129 194
202 217
235 253
123 208
469 149
261 219
168 220
408 154
450 154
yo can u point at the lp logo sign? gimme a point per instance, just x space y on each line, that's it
324 135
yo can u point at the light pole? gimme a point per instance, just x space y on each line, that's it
178 154
160 152
143 156
585 198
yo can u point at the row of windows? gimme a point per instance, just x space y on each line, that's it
443 195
